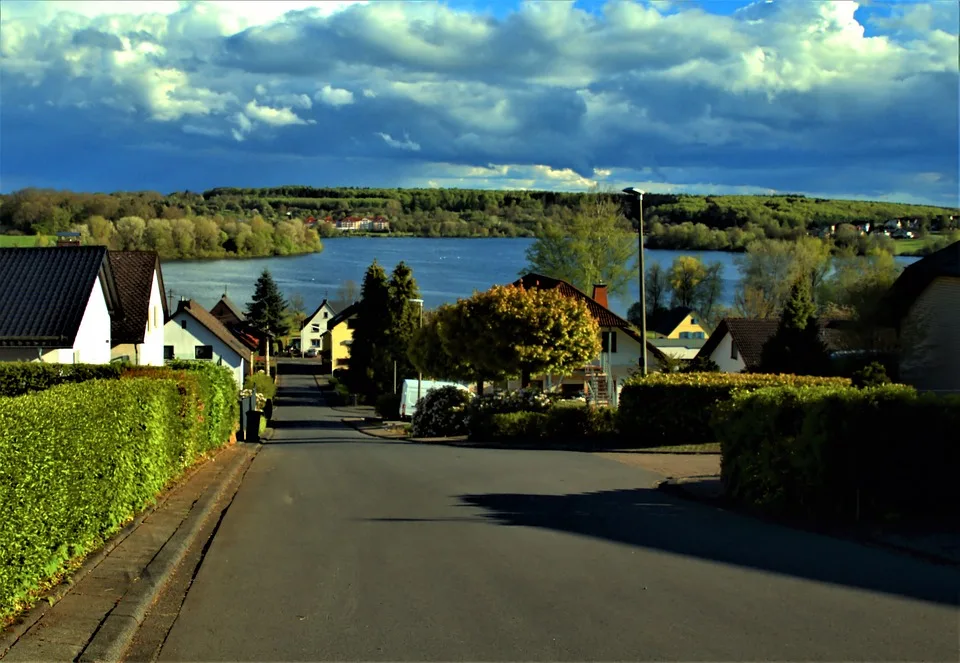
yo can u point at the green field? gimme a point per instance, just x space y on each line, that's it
25 240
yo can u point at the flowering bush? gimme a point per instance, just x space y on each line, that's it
441 413
261 398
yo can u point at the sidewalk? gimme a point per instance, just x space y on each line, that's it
95 614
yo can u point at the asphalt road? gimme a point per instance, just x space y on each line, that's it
342 547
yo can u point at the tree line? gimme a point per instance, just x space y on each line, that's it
673 221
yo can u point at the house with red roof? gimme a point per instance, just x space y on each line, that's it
621 343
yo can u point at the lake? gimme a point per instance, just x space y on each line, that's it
445 269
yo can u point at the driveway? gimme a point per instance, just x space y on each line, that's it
343 547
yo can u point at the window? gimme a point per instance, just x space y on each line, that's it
168 352
693 321
324 315
183 324
733 350
608 341
203 352
315 329
314 342
698 335
684 334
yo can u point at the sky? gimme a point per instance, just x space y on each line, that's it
830 99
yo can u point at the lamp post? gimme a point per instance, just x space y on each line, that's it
419 374
637 194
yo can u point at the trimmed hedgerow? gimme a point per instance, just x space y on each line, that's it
79 460
841 453
17 378
676 408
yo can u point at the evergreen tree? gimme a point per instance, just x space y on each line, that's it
267 310
796 346
370 359
404 317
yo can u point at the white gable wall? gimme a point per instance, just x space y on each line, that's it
314 329
721 355
185 342
151 352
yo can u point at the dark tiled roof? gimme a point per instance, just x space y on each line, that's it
916 277
345 314
246 335
133 273
226 311
205 318
44 293
604 316
751 334
665 321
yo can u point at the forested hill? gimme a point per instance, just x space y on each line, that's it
459 212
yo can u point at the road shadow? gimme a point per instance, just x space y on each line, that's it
650 519
299 367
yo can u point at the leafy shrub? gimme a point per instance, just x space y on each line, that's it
834 452
263 383
77 461
518 425
388 406
480 410
676 408
441 413
871 375
17 378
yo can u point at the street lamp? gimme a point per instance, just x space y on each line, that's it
636 193
419 374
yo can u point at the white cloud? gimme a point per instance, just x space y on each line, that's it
275 117
405 144
332 96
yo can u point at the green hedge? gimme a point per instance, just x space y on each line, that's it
839 453
79 460
17 378
675 408
561 425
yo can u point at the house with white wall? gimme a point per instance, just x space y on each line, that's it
621 346
314 327
193 333
137 334
737 343
56 304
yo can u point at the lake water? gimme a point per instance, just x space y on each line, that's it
445 269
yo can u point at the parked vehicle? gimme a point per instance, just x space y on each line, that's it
408 394
310 353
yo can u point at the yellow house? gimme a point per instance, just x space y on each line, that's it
339 336
678 322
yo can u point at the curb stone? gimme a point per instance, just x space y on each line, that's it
118 630
29 619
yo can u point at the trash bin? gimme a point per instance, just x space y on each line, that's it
253 426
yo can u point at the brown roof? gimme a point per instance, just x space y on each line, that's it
604 316
665 321
751 334
227 312
205 318
133 273
916 277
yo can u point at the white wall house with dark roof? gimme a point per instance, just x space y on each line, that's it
194 334
138 333
315 327
57 304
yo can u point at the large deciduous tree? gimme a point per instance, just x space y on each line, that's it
596 245
267 310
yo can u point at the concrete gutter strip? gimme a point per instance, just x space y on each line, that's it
118 630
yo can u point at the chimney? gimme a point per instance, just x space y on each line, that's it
600 295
